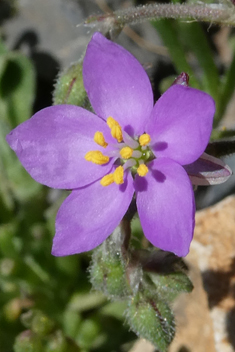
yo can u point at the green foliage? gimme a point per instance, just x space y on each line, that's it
147 293
17 87
50 297
28 342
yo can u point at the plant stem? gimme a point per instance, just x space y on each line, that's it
212 13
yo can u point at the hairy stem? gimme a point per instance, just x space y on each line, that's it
212 13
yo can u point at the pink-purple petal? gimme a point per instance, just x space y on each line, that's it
52 145
208 170
165 203
181 124
117 84
89 215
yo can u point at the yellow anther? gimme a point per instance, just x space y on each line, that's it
116 133
111 122
116 130
118 175
99 139
142 170
144 139
126 152
107 180
97 157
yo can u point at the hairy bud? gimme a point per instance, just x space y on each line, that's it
69 88
152 320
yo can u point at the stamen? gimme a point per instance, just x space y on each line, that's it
111 122
97 157
118 175
107 180
99 139
126 152
144 139
116 133
142 170
116 130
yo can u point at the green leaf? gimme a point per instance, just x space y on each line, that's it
28 342
114 309
222 133
17 88
81 302
195 41
168 31
227 90
88 333
8 245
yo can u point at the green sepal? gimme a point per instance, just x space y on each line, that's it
107 274
169 286
151 319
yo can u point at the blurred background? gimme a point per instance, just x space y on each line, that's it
49 298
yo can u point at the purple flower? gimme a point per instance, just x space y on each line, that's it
129 146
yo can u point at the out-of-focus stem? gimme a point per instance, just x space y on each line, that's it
126 230
212 13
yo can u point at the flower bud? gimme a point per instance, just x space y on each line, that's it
107 274
27 341
182 79
152 320
69 88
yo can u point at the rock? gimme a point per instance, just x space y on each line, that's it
206 318
142 346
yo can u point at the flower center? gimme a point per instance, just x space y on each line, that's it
130 153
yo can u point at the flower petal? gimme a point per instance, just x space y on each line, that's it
181 124
89 215
52 145
208 170
165 203
117 84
